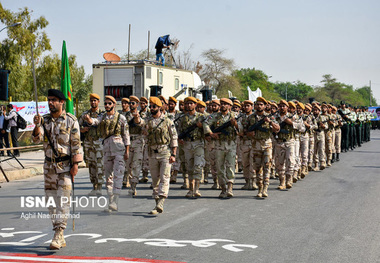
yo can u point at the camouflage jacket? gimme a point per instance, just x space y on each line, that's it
65 137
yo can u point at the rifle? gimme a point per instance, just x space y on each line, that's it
344 116
180 117
225 126
189 130
257 125
283 124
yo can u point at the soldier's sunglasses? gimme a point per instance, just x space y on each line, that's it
107 103
153 106
132 103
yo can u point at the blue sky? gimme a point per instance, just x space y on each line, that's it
289 40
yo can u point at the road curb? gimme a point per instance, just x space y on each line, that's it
22 173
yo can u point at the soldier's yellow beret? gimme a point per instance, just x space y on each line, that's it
225 100
261 99
216 101
291 104
329 105
156 101
308 104
238 101
173 99
125 99
192 99
163 99
248 102
143 99
111 98
334 108
274 105
181 102
317 106
283 102
301 105
237 104
307 107
134 98
201 103
94 96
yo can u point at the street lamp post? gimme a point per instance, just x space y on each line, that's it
13 25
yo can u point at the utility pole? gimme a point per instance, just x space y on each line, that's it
370 97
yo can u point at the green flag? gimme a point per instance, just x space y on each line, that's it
66 87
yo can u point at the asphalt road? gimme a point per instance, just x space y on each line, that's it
330 216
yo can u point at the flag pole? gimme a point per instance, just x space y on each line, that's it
34 79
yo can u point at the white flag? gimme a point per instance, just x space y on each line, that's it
252 95
230 94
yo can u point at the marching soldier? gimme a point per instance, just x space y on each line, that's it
225 145
125 110
113 128
285 146
60 134
144 114
162 148
192 138
136 150
246 145
262 144
93 146
328 133
319 139
310 128
338 134
173 114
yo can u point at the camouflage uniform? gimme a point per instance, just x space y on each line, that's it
194 151
161 136
176 165
65 137
285 151
246 144
210 160
305 144
329 134
145 164
337 137
114 131
225 151
261 152
319 143
136 151
297 145
93 152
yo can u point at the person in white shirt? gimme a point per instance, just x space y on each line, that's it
12 126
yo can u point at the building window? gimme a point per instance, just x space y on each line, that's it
176 84
160 78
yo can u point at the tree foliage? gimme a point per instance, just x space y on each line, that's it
216 68
293 90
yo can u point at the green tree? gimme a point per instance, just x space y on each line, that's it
215 68
293 90
15 51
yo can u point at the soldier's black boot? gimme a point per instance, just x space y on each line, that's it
333 158
337 157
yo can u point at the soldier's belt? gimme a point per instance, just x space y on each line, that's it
58 160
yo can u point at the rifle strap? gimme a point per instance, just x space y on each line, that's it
49 140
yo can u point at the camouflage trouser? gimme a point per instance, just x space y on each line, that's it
273 161
329 144
114 167
134 163
311 149
94 160
145 164
262 156
194 155
210 149
160 172
182 161
304 149
238 152
225 152
58 187
337 140
319 148
285 158
297 160
247 158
